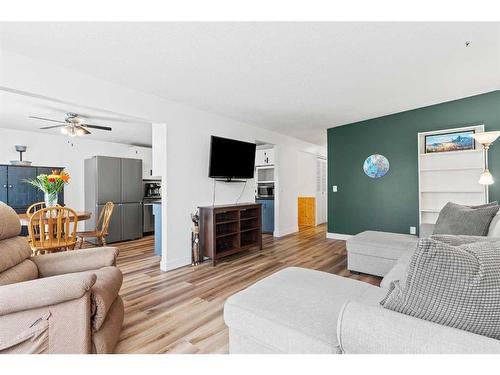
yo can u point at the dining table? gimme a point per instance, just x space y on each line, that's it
81 215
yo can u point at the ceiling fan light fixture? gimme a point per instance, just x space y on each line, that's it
80 131
64 130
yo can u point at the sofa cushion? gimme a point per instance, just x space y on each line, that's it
104 293
457 286
295 310
464 220
13 251
381 244
10 225
24 271
397 273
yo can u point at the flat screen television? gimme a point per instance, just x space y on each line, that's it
230 159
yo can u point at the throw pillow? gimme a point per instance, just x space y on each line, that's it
464 220
454 240
456 286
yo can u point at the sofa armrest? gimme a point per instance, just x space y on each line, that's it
49 291
364 329
75 261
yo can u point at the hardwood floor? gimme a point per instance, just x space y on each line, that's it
181 311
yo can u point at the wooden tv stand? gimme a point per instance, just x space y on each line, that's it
230 229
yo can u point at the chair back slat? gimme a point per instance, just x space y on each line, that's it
105 218
53 228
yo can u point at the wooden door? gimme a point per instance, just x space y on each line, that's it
307 211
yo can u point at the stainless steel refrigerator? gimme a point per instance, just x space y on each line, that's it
117 180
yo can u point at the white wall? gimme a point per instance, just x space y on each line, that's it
307 174
53 150
188 131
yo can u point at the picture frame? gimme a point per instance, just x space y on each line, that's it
450 142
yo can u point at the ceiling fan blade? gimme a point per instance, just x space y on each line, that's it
52 127
85 130
47 119
98 127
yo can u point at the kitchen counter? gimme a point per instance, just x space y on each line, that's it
263 198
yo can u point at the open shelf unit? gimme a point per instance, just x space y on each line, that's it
449 176
229 229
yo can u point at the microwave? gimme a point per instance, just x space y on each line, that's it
265 190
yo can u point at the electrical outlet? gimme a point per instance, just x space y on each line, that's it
334 188
413 230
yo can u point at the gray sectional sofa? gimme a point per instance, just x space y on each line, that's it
298 310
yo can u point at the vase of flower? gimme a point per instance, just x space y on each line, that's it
50 199
51 185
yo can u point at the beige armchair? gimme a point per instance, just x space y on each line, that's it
58 303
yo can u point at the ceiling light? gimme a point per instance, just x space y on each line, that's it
64 130
80 132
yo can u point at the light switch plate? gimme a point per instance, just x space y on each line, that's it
413 230
334 188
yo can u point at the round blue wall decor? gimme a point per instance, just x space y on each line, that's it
376 166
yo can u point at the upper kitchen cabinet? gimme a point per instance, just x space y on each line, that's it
131 173
146 154
264 157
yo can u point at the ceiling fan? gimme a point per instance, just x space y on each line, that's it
73 125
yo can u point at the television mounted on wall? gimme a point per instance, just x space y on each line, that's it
231 159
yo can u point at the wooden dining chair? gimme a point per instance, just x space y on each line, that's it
35 207
52 229
101 229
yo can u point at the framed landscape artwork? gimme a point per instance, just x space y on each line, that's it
456 141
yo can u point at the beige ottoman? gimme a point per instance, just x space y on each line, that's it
375 253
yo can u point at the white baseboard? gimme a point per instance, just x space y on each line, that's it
338 236
285 232
177 263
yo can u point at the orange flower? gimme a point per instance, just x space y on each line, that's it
65 177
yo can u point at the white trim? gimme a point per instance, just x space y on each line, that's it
177 263
286 232
338 236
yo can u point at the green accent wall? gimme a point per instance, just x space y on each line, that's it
390 203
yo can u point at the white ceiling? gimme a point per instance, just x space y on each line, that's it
294 78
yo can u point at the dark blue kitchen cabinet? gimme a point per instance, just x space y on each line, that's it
20 194
3 183
17 193
267 215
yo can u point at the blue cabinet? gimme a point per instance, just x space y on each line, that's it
3 183
267 215
157 215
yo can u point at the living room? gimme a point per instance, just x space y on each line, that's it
248 136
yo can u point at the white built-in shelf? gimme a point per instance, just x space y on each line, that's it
264 166
450 176
448 153
265 182
451 169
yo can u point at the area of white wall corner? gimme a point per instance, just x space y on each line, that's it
187 145
62 151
